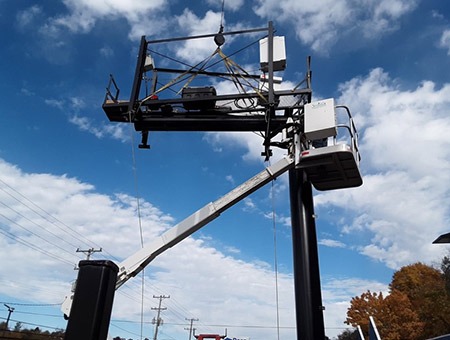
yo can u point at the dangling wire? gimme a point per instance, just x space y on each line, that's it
223 14
138 204
275 259
219 39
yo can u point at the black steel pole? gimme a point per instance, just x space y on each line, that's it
308 296
93 301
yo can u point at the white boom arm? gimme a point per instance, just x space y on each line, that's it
134 264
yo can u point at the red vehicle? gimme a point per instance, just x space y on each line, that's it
210 336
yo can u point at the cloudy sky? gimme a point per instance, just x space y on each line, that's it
70 179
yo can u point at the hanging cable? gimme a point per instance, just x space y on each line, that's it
219 39
223 14
275 259
138 206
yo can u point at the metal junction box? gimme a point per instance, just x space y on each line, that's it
320 119
199 98
279 54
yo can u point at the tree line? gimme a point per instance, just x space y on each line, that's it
416 307
18 332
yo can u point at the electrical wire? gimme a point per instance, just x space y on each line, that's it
36 224
32 246
45 215
30 304
30 231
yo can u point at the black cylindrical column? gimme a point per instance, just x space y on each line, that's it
308 296
93 301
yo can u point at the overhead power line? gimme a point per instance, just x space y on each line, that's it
31 304
45 215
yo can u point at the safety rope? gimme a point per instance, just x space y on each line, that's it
237 72
274 224
181 77
141 233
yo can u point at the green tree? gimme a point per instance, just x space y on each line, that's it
18 327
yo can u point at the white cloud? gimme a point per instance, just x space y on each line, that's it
250 142
331 243
77 103
445 40
143 16
232 5
59 104
54 204
406 169
437 15
42 226
322 24
49 207
405 149
26 17
249 204
198 49
230 179
26 92
115 131
107 51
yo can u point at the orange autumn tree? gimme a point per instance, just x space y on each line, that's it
394 315
399 320
361 307
417 307
425 287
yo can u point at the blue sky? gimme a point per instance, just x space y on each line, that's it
67 178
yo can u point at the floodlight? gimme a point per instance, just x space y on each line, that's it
444 238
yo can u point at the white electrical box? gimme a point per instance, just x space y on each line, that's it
149 64
320 119
264 83
279 54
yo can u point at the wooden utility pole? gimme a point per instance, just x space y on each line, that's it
158 321
10 310
89 252
190 327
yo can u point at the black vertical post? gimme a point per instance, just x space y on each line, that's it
308 296
93 301
138 74
270 64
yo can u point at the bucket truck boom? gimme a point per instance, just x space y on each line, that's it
134 264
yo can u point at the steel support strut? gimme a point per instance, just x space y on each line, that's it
308 297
